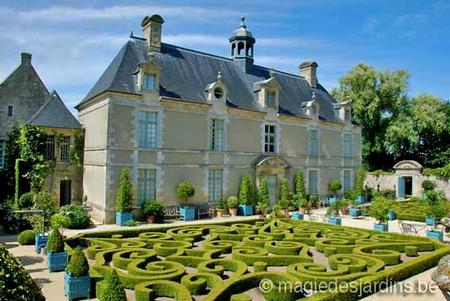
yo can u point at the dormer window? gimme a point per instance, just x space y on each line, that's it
218 92
271 99
149 81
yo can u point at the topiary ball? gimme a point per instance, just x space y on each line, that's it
26 237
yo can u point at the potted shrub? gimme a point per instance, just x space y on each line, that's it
111 288
246 196
77 283
359 187
152 209
124 198
41 222
285 197
354 211
303 206
345 204
276 211
263 197
427 186
334 213
185 190
220 208
299 191
379 211
56 256
313 202
334 187
435 210
261 208
232 203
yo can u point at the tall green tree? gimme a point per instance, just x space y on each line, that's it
377 98
125 193
7 174
246 191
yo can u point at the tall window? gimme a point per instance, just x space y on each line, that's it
313 181
347 180
270 99
10 111
50 148
2 154
216 134
148 125
65 146
269 139
313 143
149 81
347 145
146 185
215 182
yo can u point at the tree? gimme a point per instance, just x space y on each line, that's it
246 191
377 97
285 194
263 192
125 193
359 183
185 190
335 186
299 187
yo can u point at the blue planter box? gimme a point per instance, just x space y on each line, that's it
355 212
360 199
436 235
391 215
297 215
40 241
381 227
56 261
77 287
245 210
430 221
335 221
331 200
123 217
187 213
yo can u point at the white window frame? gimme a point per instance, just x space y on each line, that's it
65 149
215 185
147 129
313 146
146 185
217 134
267 136
316 171
146 82
2 153
347 145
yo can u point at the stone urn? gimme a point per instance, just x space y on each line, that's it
442 275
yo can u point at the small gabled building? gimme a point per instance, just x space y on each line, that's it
171 114
24 99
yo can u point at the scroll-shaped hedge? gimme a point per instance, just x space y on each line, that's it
198 283
122 259
193 257
150 290
287 248
250 255
219 266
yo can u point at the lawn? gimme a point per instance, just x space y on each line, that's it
228 261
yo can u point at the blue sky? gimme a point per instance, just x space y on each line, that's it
72 42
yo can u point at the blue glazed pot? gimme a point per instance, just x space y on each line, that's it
335 221
245 210
430 221
56 261
123 217
435 235
187 213
297 215
355 212
391 215
40 241
360 199
77 287
381 227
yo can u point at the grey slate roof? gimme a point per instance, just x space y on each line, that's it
185 74
54 114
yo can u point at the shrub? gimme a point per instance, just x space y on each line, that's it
131 223
13 222
335 207
26 200
78 265
43 201
16 283
436 207
379 209
428 185
246 191
335 186
26 237
221 204
232 202
185 190
285 194
125 193
359 183
152 207
111 288
59 221
55 243
78 218
388 193
263 192
299 186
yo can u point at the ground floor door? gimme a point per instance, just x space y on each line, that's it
408 186
272 183
65 192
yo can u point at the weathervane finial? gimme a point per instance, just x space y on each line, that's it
243 22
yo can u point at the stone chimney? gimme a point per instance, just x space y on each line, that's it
26 58
308 71
152 28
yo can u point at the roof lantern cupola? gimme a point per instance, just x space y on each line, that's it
242 44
